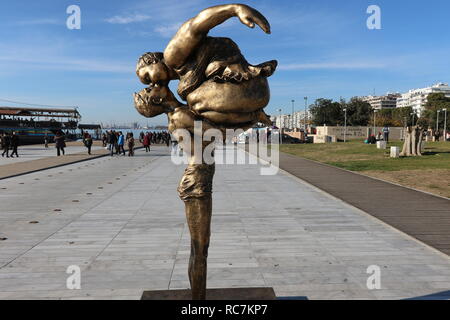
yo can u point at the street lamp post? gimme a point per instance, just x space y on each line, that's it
374 120
412 117
437 120
445 124
306 117
293 101
281 128
345 124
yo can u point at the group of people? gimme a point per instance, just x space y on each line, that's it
381 135
9 142
162 137
154 137
384 134
115 141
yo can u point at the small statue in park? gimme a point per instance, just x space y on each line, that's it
221 89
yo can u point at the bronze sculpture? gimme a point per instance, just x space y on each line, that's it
221 89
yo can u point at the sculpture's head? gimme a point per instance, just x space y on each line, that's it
151 69
154 100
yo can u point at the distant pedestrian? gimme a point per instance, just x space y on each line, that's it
378 136
146 142
14 144
130 143
104 139
46 140
116 145
88 142
6 143
166 138
386 133
60 143
121 143
437 134
112 142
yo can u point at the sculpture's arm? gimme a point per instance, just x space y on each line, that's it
194 31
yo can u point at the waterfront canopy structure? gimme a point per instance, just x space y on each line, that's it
34 124
39 117
71 114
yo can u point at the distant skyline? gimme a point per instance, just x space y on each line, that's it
323 47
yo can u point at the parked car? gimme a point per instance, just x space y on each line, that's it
288 139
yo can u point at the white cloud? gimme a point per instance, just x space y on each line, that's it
43 21
126 19
169 30
65 63
169 14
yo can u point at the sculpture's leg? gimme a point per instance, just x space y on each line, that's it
198 214
195 190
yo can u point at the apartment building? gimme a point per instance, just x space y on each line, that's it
417 98
387 101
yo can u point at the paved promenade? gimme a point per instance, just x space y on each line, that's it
423 216
120 220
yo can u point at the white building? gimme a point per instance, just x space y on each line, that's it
284 121
417 98
387 101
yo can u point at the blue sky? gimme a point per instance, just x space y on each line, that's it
323 47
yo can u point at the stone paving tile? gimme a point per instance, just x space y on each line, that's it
127 232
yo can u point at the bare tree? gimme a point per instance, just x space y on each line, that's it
413 142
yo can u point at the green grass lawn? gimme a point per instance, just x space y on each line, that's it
357 156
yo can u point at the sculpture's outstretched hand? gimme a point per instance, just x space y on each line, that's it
250 17
192 33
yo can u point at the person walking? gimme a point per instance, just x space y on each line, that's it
116 145
112 142
88 142
146 142
46 140
386 134
14 144
6 143
121 143
60 143
104 139
130 143
168 139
